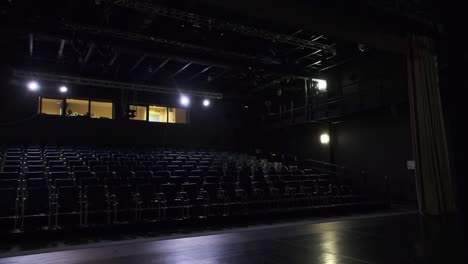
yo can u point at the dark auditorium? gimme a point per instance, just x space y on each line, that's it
246 132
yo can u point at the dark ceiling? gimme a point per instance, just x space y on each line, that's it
172 43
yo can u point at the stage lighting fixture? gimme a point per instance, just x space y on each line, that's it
33 86
325 138
63 89
206 103
184 100
321 84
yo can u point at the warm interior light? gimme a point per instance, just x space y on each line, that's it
325 138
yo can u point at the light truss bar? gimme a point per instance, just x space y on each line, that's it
88 54
200 72
31 44
27 75
180 70
89 29
161 65
114 58
138 62
60 51
218 75
208 22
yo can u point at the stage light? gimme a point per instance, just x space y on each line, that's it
325 138
33 86
321 84
63 89
184 100
206 103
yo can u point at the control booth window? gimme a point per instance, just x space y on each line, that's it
77 107
177 115
101 110
50 106
158 114
138 112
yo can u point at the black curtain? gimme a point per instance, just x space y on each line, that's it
434 182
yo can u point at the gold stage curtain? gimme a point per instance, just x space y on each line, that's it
434 182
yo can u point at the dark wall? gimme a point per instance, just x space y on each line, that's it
302 140
379 142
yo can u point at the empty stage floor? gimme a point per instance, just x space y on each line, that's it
396 238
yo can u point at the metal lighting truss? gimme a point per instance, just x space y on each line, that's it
209 22
89 29
111 84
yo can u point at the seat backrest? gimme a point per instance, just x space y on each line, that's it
64 182
157 181
59 175
12 168
100 168
211 188
58 168
91 181
9 175
169 190
80 168
191 189
33 174
180 173
212 179
195 179
164 174
36 183
6 184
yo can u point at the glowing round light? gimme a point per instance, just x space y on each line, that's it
324 138
206 103
63 89
33 86
184 100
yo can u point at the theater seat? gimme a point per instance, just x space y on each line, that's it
37 203
10 175
68 204
97 204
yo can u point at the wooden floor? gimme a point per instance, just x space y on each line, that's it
402 238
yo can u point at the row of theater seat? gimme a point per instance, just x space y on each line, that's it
104 190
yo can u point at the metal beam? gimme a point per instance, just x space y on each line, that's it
336 64
112 84
114 58
60 51
183 58
180 70
138 62
88 54
209 22
200 72
216 76
308 55
315 63
161 65
132 36
31 44
302 46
